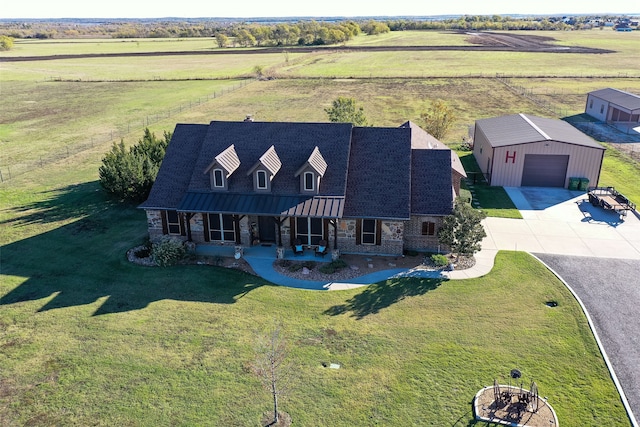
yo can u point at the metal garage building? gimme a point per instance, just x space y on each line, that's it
524 150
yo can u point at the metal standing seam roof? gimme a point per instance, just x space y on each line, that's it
523 129
269 160
263 204
618 97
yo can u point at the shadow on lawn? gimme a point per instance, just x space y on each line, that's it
85 261
381 295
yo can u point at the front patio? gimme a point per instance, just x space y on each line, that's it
261 251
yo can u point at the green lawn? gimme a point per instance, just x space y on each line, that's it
88 338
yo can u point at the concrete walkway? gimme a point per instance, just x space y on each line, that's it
556 223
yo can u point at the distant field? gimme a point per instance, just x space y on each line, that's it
89 339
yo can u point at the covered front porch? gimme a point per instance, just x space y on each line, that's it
267 251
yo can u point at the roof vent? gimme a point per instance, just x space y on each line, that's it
249 118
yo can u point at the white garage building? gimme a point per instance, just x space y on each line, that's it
524 150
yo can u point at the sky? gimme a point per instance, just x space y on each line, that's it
310 8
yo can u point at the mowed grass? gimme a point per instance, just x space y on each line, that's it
88 338
621 171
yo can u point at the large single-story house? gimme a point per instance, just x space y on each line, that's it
525 150
359 189
616 107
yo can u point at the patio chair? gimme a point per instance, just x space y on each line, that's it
321 250
298 249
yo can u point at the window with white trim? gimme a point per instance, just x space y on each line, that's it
218 178
368 232
261 180
309 178
591 104
174 225
309 230
222 228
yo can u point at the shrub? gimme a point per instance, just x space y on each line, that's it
440 260
333 266
167 251
309 264
295 267
284 263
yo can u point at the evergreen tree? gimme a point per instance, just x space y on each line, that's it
129 174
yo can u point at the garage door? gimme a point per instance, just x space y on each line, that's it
543 170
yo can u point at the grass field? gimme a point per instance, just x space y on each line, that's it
88 339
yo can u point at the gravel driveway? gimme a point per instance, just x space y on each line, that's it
610 290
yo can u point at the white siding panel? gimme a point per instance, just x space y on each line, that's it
482 150
509 161
597 108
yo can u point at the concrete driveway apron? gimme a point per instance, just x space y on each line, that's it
598 255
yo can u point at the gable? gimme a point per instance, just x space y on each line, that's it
292 141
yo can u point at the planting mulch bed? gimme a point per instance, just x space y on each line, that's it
360 265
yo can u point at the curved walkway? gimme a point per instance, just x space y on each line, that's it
264 268
576 240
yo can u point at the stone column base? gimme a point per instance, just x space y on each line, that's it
280 252
335 254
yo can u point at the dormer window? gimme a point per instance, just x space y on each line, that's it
261 180
265 169
223 165
311 172
309 181
218 178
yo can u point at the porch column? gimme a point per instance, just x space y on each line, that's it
188 217
334 223
279 226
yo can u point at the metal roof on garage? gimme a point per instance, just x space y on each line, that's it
263 204
523 129
618 97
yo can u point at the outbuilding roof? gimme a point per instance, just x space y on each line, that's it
523 129
618 97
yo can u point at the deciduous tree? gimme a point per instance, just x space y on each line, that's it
345 110
438 119
271 366
6 43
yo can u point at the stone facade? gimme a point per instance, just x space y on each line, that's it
415 240
391 240
396 237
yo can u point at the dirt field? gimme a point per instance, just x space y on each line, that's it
483 41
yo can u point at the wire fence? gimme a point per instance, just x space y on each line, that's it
9 170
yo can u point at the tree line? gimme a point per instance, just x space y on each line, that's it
307 32
226 33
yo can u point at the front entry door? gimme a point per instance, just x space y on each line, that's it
267 229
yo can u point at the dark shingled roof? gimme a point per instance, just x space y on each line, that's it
370 172
177 166
379 179
432 193
294 143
